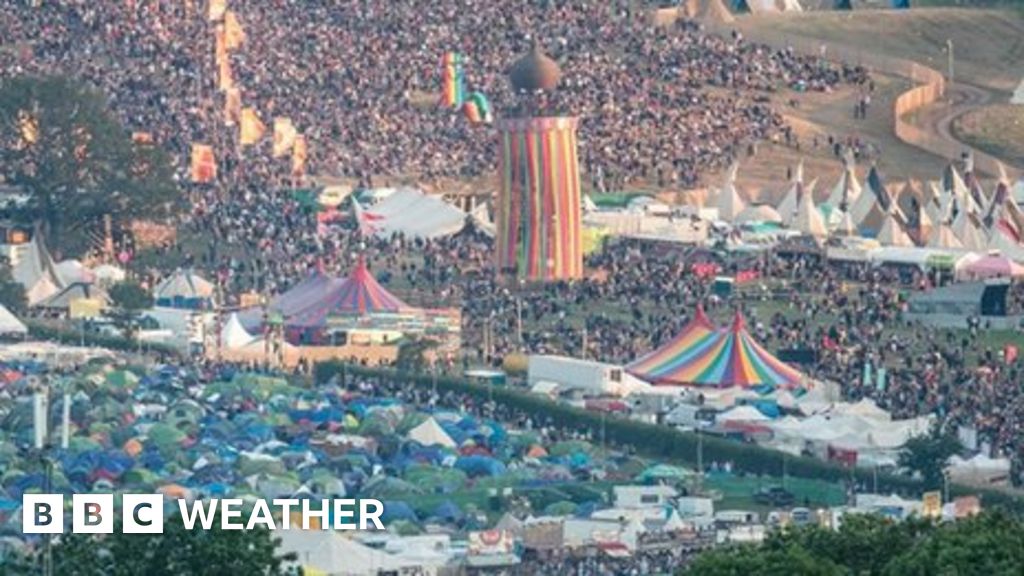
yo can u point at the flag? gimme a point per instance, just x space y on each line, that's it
299 154
234 36
866 377
232 106
880 381
252 127
452 79
204 163
142 137
217 9
284 136
29 127
477 109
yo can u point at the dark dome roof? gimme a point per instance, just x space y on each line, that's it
535 71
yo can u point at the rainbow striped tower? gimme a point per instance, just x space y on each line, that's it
538 209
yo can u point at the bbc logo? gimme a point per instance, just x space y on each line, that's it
92 514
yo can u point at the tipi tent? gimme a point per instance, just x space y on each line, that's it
892 234
847 189
71 271
77 291
759 213
35 271
430 433
968 230
184 289
710 10
844 224
9 324
787 207
791 6
808 219
942 236
729 202
1018 94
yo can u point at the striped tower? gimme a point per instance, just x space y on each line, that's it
538 209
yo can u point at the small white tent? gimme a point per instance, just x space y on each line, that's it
942 236
233 335
430 433
808 219
183 284
968 230
1018 94
35 271
892 234
9 324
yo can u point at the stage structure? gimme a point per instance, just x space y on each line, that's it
539 211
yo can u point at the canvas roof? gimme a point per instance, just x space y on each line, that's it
808 219
76 291
9 323
430 433
729 203
233 334
410 212
184 284
36 272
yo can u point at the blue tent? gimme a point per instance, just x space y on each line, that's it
398 510
448 511
477 465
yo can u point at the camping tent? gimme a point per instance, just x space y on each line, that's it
410 212
702 356
430 433
71 271
184 289
9 324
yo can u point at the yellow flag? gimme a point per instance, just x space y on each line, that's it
29 127
224 77
252 127
204 163
234 36
284 136
232 106
299 154
217 9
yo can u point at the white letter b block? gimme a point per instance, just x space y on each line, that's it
42 514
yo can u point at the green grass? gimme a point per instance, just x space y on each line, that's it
998 130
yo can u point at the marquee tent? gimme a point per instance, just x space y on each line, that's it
309 303
184 289
233 335
410 212
704 357
993 265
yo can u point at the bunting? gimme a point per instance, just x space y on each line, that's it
234 36
204 164
284 136
252 128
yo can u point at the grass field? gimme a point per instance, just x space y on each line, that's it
998 130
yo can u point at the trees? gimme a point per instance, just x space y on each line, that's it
128 299
989 544
12 294
175 552
61 143
927 455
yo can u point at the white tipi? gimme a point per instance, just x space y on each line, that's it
942 236
808 219
1018 94
967 229
891 233
729 203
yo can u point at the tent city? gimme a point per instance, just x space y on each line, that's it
534 287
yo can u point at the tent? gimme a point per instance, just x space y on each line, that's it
184 289
847 189
808 219
310 302
702 356
9 324
968 230
34 269
759 213
108 274
76 291
1018 94
233 335
979 470
791 6
710 10
942 236
1003 242
330 552
71 271
412 213
993 265
729 203
430 433
891 233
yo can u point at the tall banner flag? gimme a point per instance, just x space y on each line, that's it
880 381
284 136
477 109
252 127
224 79
232 106
452 79
204 164
234 36
217 9
299 154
